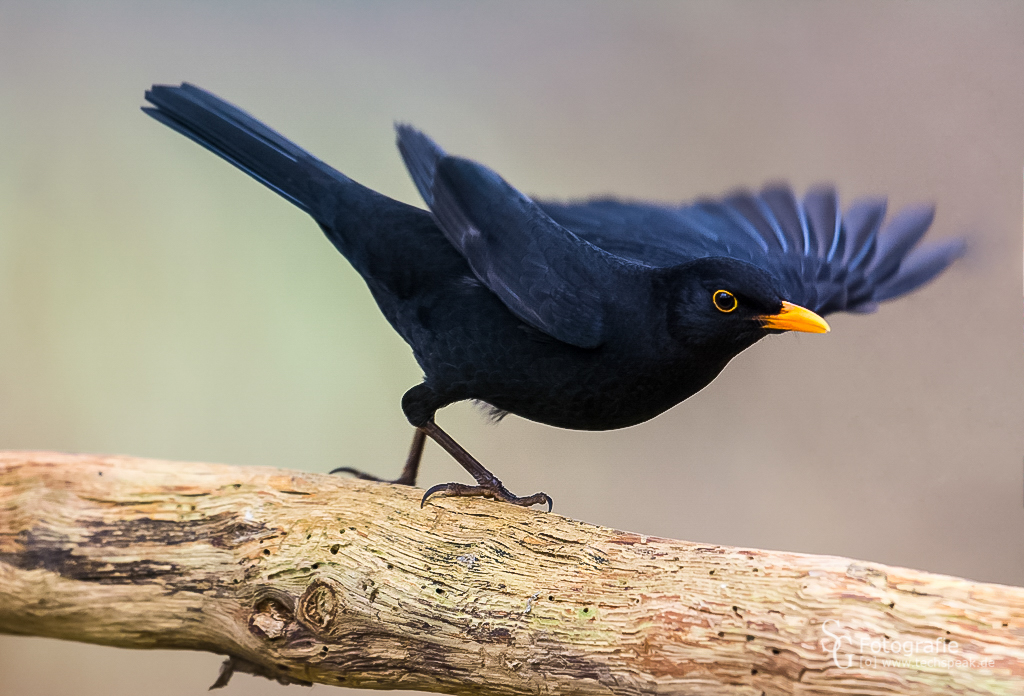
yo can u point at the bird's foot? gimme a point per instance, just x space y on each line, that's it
488 485
494 492
412 464
362 475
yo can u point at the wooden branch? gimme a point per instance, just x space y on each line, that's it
312 578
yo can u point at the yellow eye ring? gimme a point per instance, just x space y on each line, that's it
724 301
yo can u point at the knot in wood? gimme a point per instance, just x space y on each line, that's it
319 607
270 619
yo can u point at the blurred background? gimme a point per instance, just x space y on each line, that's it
154 301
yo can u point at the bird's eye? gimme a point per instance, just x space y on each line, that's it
724 301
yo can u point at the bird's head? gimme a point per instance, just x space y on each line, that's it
730 304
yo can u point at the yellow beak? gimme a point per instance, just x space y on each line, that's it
795 318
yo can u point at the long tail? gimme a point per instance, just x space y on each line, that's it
397 248
252 147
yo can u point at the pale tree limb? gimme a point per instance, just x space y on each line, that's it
311 578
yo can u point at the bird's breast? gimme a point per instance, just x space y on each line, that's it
595 393
471 347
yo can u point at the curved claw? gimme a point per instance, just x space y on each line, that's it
530 500
431 491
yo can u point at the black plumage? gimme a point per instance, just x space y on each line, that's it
592 315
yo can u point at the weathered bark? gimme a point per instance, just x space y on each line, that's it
311 578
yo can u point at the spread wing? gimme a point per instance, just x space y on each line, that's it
546 275
826 260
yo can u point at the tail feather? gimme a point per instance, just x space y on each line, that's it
396 247
267 156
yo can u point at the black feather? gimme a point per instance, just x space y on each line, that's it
898 237
921 266
239 138
822 208
825 261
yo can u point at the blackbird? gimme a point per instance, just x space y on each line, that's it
589 315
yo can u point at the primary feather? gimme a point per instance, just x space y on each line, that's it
824 260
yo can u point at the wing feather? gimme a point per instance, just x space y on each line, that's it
898 237
546 275
825 260
821 206
863 220
789 218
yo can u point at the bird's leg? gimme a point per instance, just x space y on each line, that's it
409 471
489 485
412 461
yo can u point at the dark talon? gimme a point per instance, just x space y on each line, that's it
431 491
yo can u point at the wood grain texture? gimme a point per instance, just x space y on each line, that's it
311 578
